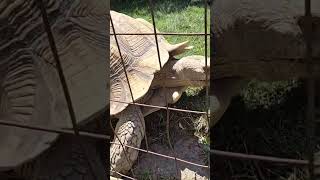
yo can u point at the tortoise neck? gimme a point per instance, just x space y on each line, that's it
172 82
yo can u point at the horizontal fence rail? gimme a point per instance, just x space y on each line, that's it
163 155
53 129
243 156
160 107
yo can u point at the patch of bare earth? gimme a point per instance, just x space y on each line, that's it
186 147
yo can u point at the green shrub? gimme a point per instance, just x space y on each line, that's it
266 94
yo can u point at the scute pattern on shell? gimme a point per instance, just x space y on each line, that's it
30 89
140 58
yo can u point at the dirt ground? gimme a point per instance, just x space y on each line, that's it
186 147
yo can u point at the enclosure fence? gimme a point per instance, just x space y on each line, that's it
167 108
226 154
310 115
241 156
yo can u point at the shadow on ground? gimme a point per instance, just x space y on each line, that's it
276 131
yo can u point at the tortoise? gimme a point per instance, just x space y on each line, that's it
239 30
263 40
239 27
31 92
145 77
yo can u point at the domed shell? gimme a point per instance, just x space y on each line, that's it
140 59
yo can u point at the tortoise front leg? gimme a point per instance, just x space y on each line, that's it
130 130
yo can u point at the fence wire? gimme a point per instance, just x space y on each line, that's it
310 124
310 114
241 156
167 108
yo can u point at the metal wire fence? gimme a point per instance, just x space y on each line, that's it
310 122
75 131
241 156
167 108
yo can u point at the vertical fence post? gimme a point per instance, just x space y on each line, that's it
151 5
211 93
310 125
59 66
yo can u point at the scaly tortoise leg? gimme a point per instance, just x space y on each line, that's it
130 130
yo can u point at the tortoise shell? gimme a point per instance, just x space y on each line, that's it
140 59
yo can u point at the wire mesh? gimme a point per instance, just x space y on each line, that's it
164 86
63 82
310 116
167 108
59 67
75 130
310 124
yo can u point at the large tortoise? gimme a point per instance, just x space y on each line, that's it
31 92
262 40
254 39
141 62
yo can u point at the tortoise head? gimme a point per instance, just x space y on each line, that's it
187 71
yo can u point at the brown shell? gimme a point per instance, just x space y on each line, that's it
140 59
